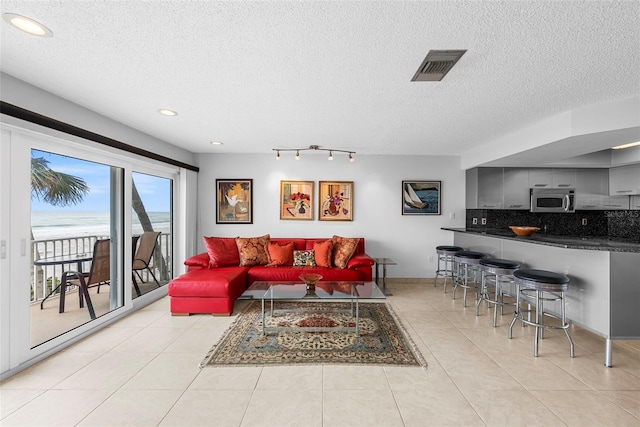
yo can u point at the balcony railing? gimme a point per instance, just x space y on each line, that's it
44 278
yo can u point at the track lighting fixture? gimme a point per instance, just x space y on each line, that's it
315 148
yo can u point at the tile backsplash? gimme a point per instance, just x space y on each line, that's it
616 224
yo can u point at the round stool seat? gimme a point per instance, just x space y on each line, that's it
543 280
469 257
499 263
447 249
499 266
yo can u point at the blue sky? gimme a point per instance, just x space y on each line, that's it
154 191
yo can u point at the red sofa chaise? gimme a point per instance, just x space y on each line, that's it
215 279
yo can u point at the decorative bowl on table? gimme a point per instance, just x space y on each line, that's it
310 279
522 230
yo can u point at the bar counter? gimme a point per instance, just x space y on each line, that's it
604 292
594 243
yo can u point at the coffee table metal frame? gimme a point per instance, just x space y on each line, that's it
351 292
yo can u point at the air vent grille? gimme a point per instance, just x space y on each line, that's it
436 65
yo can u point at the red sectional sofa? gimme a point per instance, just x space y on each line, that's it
206 289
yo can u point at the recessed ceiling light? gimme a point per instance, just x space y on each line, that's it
632 144
167 112
215 143
27 25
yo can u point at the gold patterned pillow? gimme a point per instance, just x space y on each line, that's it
343 250
253 250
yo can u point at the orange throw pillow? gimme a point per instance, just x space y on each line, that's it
343 250
324 253
223 251
280 254
253 250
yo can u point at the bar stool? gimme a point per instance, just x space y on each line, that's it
467 263
496 273
446 255
541 285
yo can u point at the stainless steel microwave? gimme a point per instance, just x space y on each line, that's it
561 200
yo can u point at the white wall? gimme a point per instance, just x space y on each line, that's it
19 93
409 240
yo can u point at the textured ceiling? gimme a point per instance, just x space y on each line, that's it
260 75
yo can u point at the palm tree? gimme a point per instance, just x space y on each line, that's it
145 222
55 188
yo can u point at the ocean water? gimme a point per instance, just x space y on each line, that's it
430 197
53 225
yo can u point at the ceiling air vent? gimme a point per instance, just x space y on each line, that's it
436 65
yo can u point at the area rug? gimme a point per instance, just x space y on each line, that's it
381 341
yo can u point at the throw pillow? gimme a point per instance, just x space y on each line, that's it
200 260
324 253
304 258
253 250
280 254
343 250
223 251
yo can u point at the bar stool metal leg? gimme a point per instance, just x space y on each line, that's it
542 286
446 256
467 263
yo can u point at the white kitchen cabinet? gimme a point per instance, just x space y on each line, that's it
635 202
516 188
490 187
484 188
563 178
540 178
552 178
592 191
591 186
624 180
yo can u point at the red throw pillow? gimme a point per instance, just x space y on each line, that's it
223 251
200 260
280 254
343 250
324 253
253 250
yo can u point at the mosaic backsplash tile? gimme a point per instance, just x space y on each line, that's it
614 224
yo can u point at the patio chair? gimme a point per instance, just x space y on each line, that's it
143 257
99 274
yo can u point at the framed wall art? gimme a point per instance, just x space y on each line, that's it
296 200
335 201
421 197
234 201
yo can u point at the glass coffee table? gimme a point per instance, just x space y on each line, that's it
349 292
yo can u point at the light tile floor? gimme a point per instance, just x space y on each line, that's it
143 370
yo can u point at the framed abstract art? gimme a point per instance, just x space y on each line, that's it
234 201
296 200
421 197
335 201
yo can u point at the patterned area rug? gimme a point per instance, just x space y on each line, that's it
382 339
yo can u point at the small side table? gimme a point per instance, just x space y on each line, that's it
383 262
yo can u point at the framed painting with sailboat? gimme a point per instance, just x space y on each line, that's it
421 197
234 201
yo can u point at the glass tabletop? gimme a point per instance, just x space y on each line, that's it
323 290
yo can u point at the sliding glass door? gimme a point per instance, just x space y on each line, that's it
151 232
76 219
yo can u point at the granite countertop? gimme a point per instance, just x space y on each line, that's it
595 243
